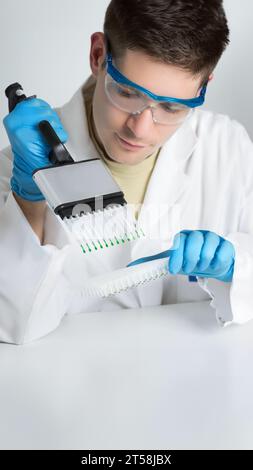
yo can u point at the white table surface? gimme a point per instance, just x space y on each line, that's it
156 378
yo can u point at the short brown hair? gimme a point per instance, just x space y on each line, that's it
190 34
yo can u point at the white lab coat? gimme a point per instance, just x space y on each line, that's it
206 167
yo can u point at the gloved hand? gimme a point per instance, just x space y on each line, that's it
30 150
204 254
199 253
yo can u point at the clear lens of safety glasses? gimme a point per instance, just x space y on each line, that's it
132 101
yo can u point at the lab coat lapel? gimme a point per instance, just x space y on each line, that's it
169 180
168 183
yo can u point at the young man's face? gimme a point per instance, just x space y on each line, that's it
112 124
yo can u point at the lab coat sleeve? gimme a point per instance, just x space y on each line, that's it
233 301
33 291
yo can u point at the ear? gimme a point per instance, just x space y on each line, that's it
210 77
97 52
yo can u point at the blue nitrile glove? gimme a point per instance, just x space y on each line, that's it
199 253
30 150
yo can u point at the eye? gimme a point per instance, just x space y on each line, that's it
170 108
126 92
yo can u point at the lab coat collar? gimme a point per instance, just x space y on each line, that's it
74 120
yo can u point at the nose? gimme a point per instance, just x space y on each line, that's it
141 124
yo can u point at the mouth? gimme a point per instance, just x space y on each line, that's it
128 145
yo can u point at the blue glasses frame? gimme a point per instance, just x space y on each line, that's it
119 78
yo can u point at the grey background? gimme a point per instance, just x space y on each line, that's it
45 47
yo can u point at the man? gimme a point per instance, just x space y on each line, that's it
139 112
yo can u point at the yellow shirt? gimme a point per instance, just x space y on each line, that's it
132 179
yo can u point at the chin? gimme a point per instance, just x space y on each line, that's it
129 159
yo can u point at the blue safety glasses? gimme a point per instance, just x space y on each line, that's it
132 98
